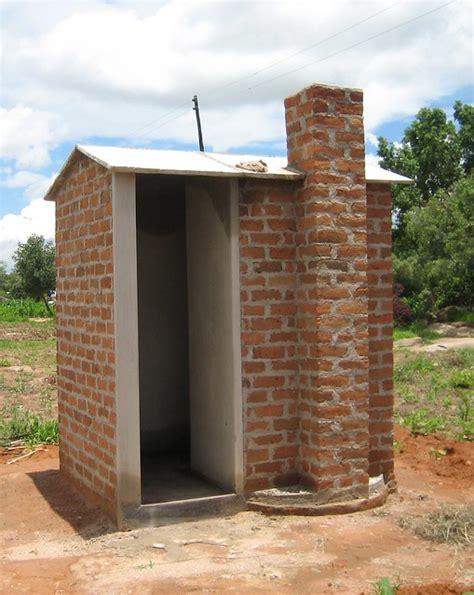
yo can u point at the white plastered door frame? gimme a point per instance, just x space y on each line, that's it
127 346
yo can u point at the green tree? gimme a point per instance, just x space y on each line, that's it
464 116
433 153
35 266
440 269
4 279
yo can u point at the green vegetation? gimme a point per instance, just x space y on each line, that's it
384 587
416 329
28 384
439 268
423 422
17 310
35 268
434 392
29 352
30 428
434 219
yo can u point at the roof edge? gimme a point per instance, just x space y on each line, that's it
373 174
58 181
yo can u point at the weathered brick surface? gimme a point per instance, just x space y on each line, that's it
326 140
269 337
85 331
379 239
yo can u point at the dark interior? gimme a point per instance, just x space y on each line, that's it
163 342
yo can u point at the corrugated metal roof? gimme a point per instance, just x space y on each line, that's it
195 163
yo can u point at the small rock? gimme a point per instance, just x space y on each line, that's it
408 342
448 314
159 546
27 369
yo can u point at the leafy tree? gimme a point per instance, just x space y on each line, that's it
464 116
432 152
35 266
4 279
440 269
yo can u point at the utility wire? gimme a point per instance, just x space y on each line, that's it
168 113
267 81
166 122
309 47
268 67
350 47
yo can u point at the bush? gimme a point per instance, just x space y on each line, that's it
402 314
22 309
439 271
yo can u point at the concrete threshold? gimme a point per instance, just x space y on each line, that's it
177 510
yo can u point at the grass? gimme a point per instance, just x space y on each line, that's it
435 393
451 524
28 352
17 424
22 309
464 315
28 383
384 587
414 330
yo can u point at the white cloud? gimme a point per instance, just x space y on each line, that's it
80 69
107 69
371 139
372 160
37 217
27 135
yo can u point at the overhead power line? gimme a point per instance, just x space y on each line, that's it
309 47
350 47
297 69
265 68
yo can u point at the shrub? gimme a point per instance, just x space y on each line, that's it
402 314
22 309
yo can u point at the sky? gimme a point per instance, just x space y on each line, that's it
123 73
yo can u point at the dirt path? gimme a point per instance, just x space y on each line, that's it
52 544
442 344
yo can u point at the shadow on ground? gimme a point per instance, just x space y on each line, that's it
66 502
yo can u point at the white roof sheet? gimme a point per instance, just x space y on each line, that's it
184 162
374 173
197 163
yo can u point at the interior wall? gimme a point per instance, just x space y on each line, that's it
211 307
162 314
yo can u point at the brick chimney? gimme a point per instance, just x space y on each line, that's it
325 135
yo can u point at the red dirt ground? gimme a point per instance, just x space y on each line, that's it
51 543
424 453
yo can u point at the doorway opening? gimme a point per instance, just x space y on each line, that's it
185 331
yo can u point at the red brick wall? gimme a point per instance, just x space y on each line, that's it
326 141
85 330
305 308
379 239
316 314
269 338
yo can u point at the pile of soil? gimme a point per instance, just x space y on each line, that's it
425 453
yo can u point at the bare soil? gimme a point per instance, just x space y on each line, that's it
51 543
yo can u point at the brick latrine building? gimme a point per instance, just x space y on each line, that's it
226 316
